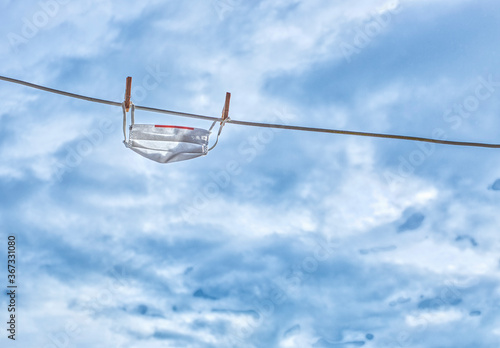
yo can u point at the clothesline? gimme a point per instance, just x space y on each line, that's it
254 124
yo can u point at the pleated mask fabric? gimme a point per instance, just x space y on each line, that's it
166 144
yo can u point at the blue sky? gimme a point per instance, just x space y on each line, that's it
276 238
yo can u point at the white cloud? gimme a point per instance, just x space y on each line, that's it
436 318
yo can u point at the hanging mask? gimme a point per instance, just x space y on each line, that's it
165 144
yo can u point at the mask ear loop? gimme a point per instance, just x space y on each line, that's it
132 116
124 124
225 118
132 113
218 134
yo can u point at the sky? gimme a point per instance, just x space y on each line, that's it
276 238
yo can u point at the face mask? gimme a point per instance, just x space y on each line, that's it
165 144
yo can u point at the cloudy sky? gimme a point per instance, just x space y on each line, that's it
276 238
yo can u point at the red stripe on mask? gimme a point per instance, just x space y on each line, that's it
160 126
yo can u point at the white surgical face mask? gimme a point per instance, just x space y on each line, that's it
166 144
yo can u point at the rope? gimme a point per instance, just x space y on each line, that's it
256 124
365 134
56 91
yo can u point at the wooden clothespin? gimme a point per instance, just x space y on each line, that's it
128 92
225 111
